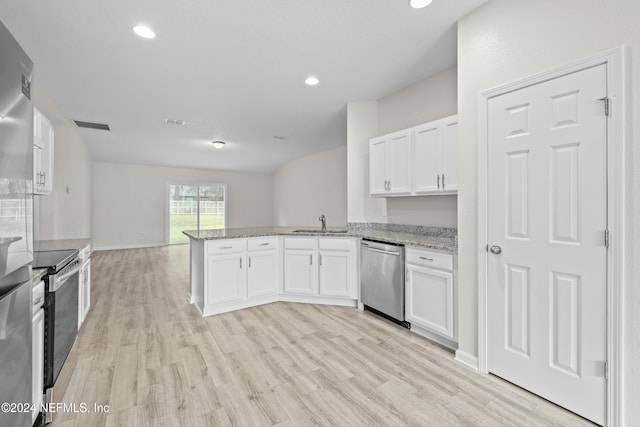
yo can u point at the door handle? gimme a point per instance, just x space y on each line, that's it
496 250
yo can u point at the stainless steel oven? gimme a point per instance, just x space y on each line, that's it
60 311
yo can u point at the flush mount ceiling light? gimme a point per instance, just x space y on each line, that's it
144 32
419 4
312 81
218 144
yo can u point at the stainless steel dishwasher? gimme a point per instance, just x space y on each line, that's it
382 279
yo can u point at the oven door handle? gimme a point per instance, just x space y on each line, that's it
62 279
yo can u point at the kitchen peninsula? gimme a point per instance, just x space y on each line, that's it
243 267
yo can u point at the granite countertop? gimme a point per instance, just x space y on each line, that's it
59 245
447 244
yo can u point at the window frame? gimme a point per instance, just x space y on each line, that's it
167 206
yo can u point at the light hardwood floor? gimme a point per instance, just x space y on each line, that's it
147 354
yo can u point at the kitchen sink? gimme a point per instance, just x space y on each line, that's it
321 232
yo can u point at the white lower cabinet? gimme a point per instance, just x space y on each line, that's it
263 267
430 295
300 273
37 362
84 284
231 274
337 268
225 278
240 273
320 267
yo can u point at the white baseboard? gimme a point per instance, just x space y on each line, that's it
434 337
136 246
466 359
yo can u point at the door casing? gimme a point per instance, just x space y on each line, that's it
614 60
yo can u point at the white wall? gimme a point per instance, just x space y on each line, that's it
305 188
129 201
428 100
362 124
505 41
66 213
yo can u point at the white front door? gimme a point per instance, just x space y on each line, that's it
547 216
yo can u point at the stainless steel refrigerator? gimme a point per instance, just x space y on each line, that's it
16 230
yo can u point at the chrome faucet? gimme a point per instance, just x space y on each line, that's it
323 219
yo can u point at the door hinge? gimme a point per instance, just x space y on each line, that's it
606 238
607 105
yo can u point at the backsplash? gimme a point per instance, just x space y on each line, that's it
405 228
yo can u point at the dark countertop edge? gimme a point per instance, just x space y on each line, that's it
57 245
436 243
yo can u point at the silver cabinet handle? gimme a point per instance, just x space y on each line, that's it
443 181
426 259
226 247
496 250
389 185
310 259
263 244
240 262
249 262
320 259
438 182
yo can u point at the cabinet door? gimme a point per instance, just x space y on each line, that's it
80 297
224 278
429 300
426 158
335 273
399 166
37 363
450 156
262 273
87 289
378 166
299 272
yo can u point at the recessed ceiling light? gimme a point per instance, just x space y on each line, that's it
312 81
218 144
144 32
419 4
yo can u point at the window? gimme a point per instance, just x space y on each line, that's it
194 207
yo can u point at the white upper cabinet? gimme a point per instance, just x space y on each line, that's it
435 157
422 160
42 154
390 164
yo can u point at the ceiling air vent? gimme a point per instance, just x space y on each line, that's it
89 125
175 122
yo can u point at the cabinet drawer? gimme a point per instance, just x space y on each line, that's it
225 246
299 243
262 243
338 244
429 259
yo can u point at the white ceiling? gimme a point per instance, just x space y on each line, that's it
233 70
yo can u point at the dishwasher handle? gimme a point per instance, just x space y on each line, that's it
382 251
